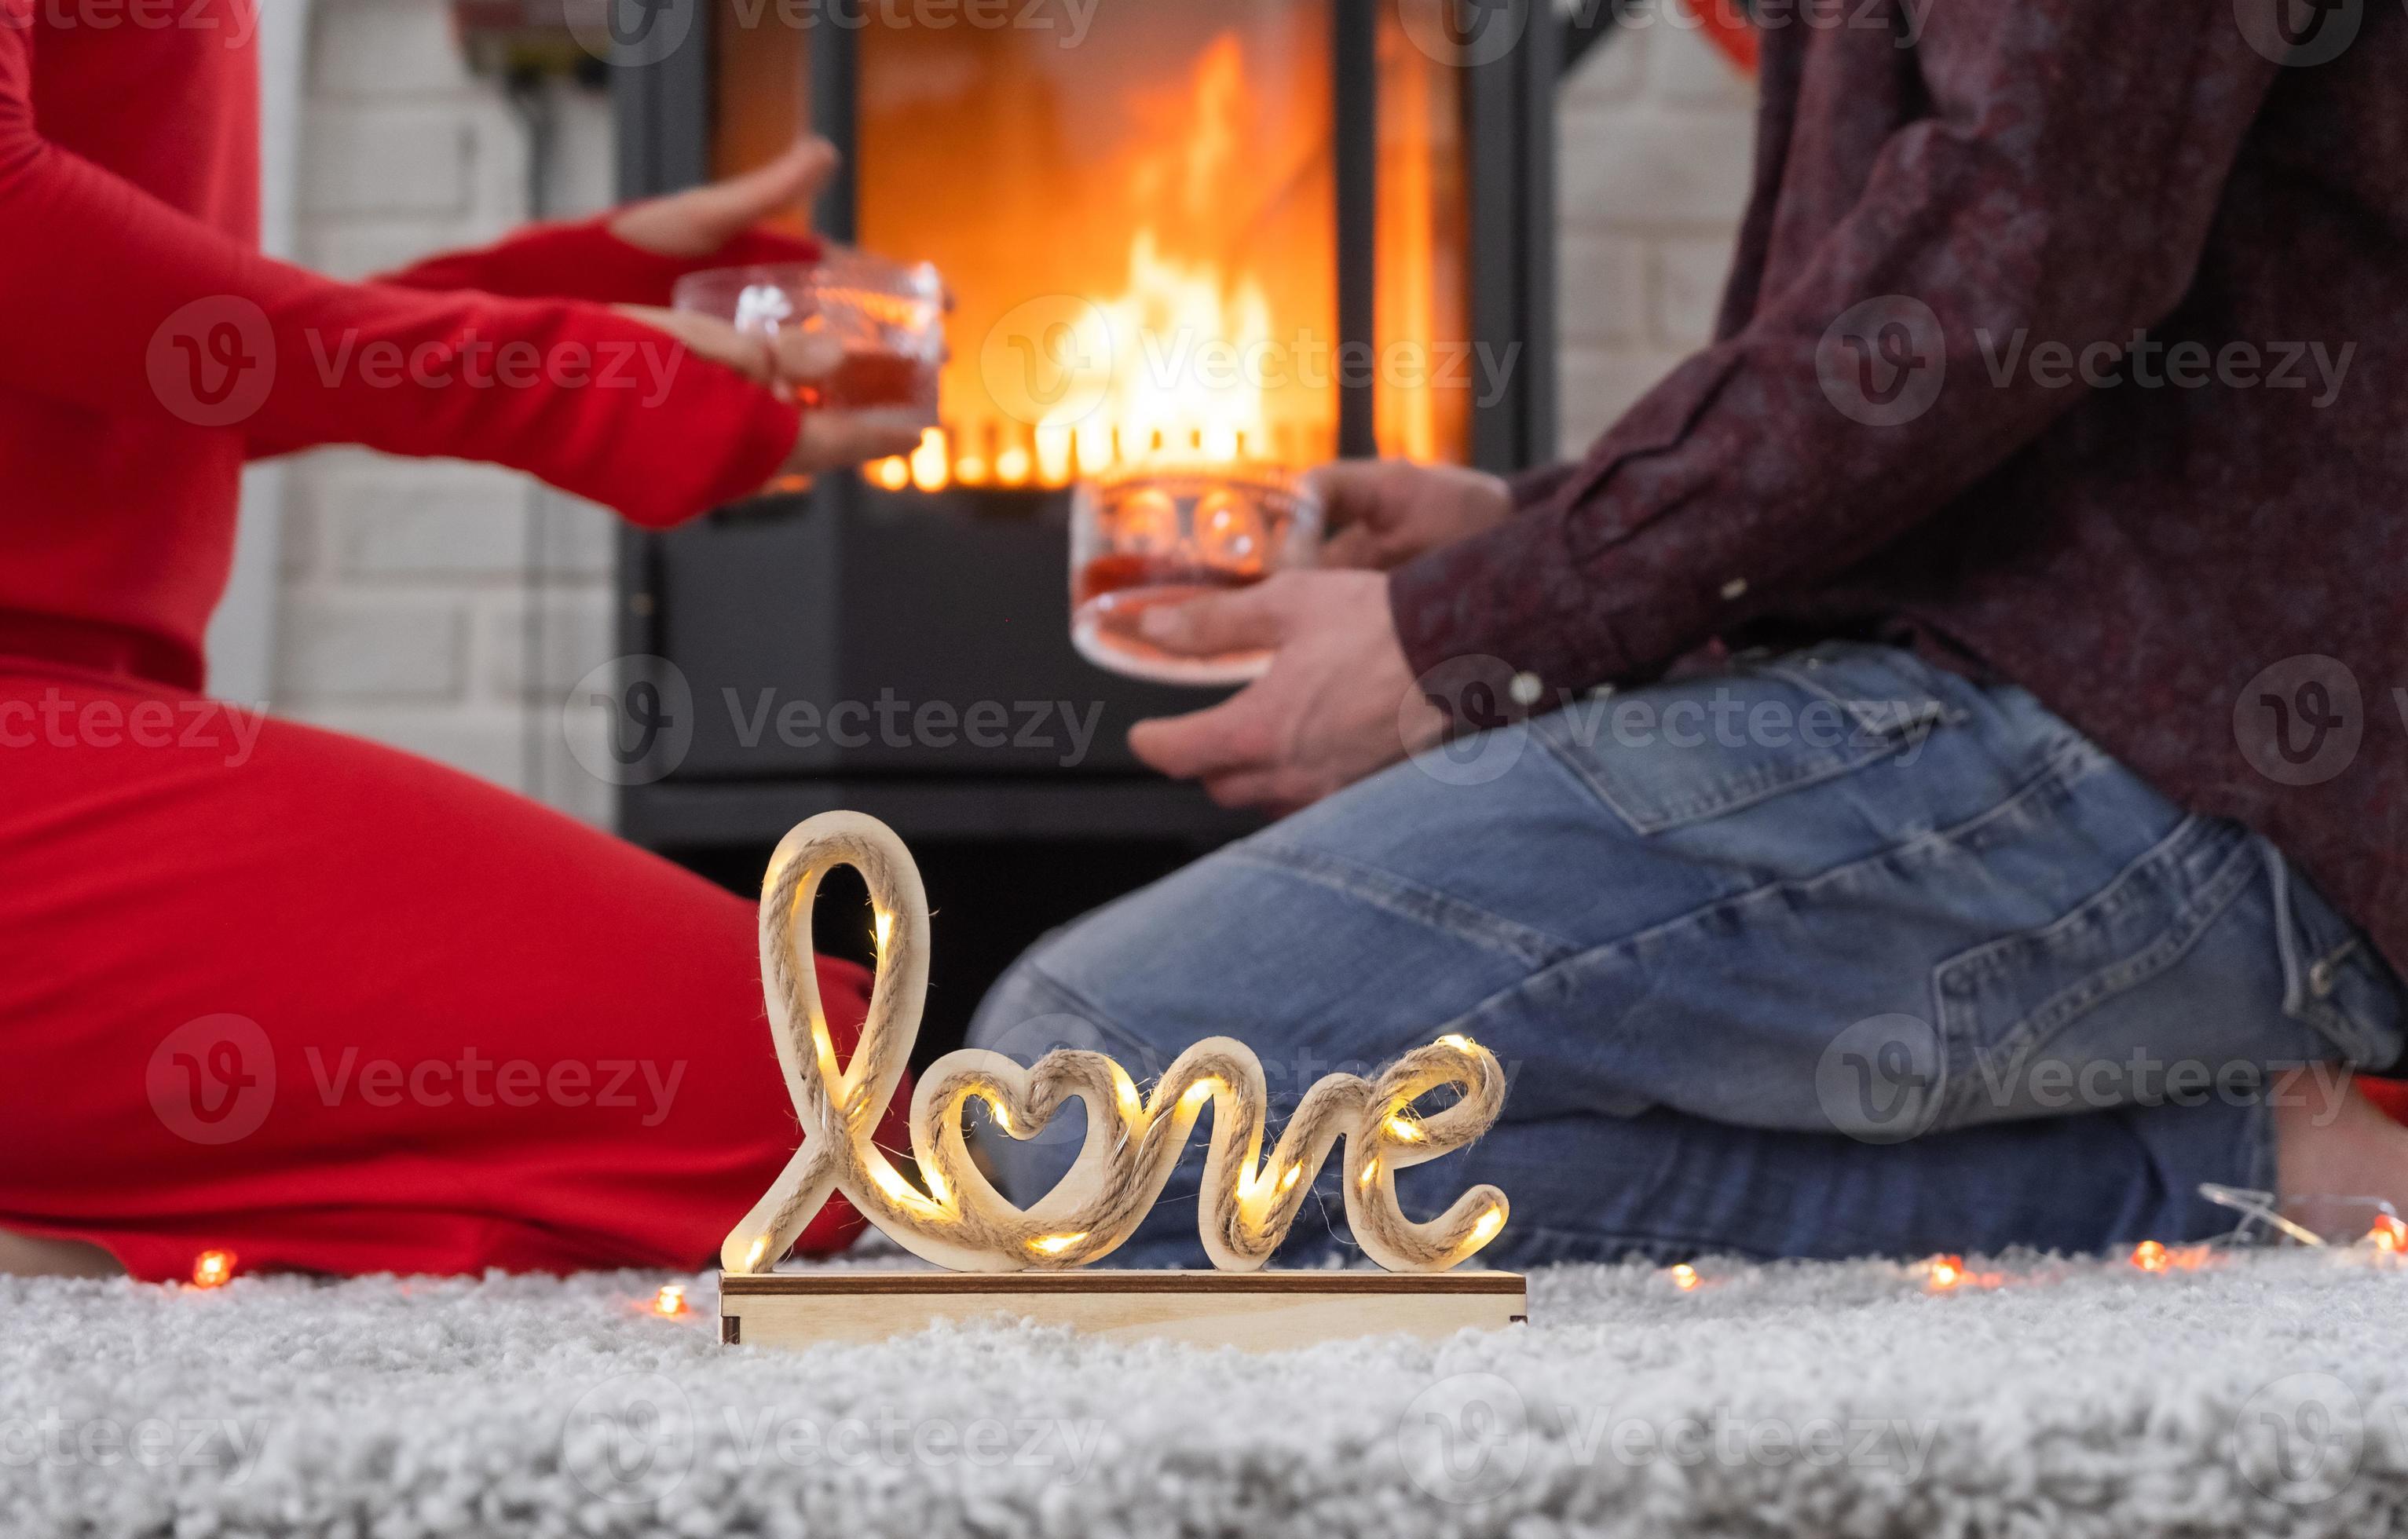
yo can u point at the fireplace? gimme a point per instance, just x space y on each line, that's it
1221 228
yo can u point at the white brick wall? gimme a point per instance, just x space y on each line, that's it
406 595
408 585
1658 140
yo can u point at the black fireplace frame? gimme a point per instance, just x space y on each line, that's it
664 114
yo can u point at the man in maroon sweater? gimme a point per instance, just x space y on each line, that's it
2059 413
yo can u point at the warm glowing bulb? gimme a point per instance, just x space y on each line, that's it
753 1257
1012 466
2149 1256
213 1268
1053 1244
886 930
893 474
937 1190
970 470
1684 1276
996 1109
669 1302
930 464
2388 1236
896 1187
1370 1173
1196 1094
1404 1129
1289 1179
1947 1271
1458 1041
1490 1222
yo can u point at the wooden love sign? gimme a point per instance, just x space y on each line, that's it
957 1218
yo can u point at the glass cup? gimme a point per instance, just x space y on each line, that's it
890 318
1143 538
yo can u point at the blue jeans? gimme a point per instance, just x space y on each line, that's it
1832 954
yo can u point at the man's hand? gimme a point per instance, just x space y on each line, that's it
1382 513
1338 703
699 221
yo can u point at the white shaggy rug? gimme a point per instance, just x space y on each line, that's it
2262 1396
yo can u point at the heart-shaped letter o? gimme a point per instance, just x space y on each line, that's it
957 1219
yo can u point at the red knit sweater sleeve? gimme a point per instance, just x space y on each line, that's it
126 306
581 259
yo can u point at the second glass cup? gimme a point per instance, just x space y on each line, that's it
1143 538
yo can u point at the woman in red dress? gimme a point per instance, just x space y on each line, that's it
271 990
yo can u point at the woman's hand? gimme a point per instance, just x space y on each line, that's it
829 441
695 224
1382 513
698 222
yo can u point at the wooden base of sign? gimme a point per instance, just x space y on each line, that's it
1255 1311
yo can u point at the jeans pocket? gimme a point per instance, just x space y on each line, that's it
2162 985
1677 753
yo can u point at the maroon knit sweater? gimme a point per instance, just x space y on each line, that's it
2074 333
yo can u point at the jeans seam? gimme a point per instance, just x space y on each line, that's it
2195 916
2050 776
1406 899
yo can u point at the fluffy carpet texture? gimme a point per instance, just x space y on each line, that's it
2259 1396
